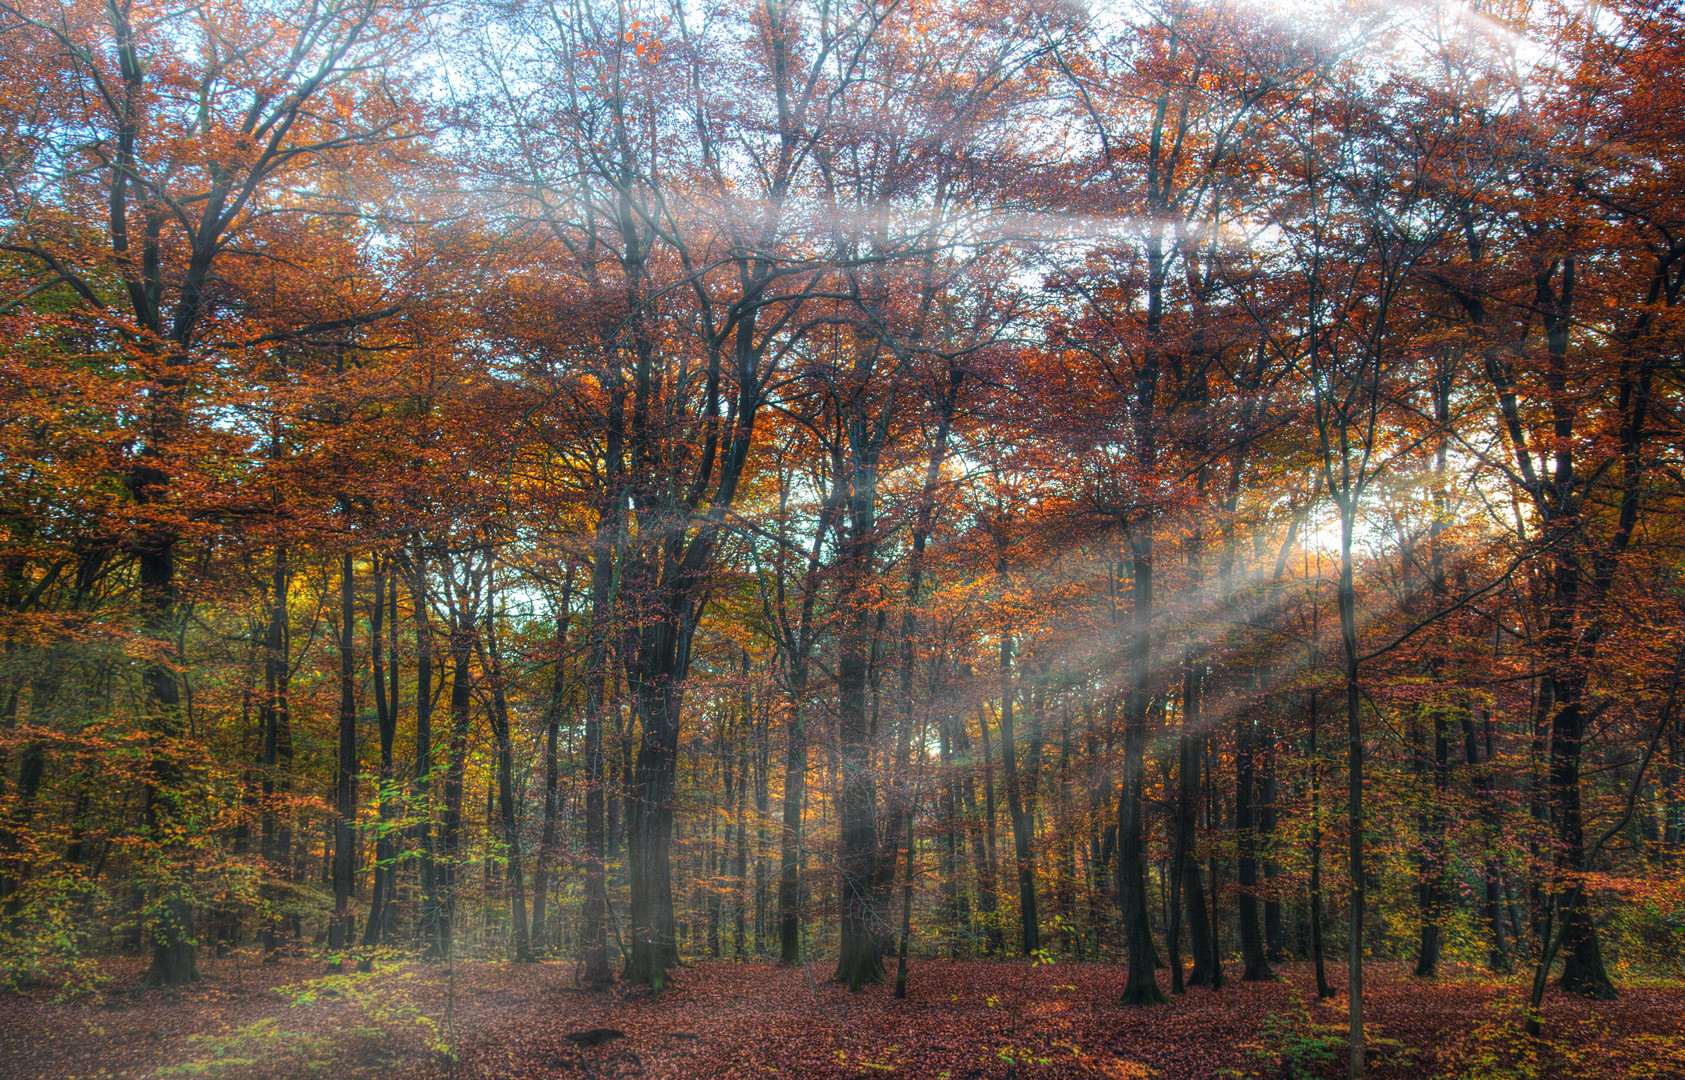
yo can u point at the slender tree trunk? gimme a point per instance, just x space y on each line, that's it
1065 829
345 807
906 934
1021 838
1347 595
1497 954
560 698
789 852
740 867
426 838
716 853
989 889
384 612
797 644
1275 937
1213 824
548 834
516 871
955 913
456 768
1431 894
1254 965
1185 859
1323 990
763 814
593 929
277 741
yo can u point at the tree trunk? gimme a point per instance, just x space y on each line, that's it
560 697
1347 596
516 872
859 959
382 614
1323 990
593 929
431 907
1021 824
345 806
1275 937
1432 889
988 864
659 670
277 741
1497 954
740 814
1185 859
175 958
1141 985
456 768
1582 961
1254 965
789 851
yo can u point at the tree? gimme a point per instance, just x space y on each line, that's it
177 185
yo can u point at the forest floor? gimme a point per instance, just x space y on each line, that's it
960 1020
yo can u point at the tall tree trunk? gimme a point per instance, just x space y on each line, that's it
1254 965
345 806
989 888
789 851
560 697
1582 962
715 869
1323 990
382 614
560 706
422 784
1213 824
906 934
1275 935
175 958
954 913
656 677
1347 598
1185 859
593 928
797 643
740 866
1431 887
277 741
859 959
456 768
1432 896
1141 984
1021 823
763 812
1065 829
965 783
860 952
1497 954
516 872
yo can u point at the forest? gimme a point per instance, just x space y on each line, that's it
958 538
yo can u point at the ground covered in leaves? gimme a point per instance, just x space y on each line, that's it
959 1020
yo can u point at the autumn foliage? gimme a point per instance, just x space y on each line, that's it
1182 493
